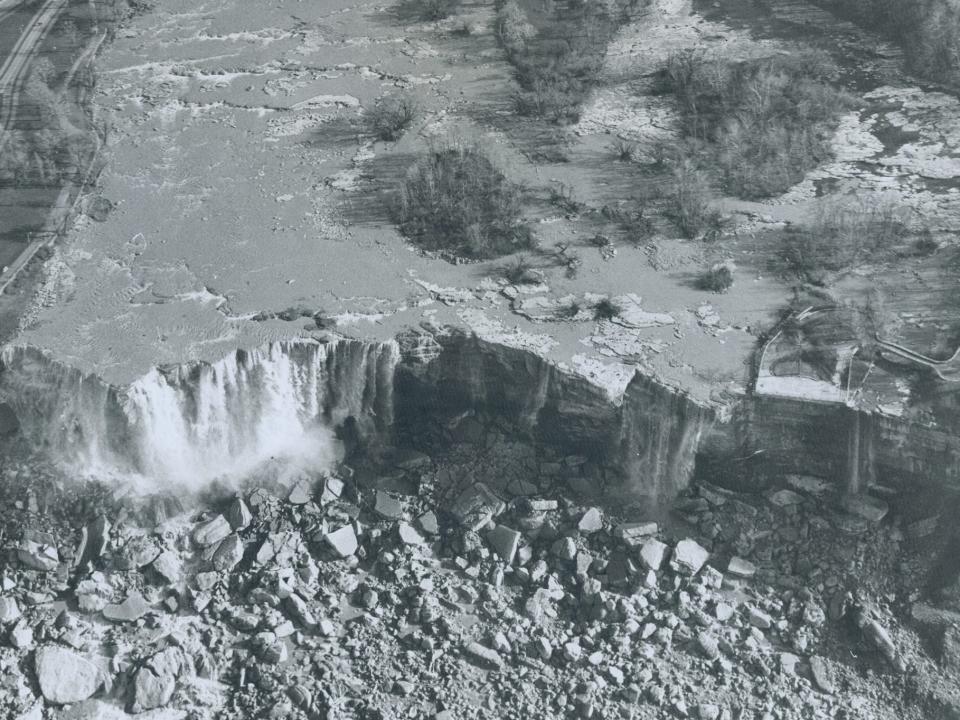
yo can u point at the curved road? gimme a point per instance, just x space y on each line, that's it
13 71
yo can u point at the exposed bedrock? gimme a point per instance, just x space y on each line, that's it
198 422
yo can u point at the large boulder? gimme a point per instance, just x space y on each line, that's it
65 676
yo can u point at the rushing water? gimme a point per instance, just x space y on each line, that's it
202 422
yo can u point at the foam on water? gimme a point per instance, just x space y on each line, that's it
194 424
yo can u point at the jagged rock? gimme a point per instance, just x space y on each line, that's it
476 506
428 523
760 619
9 610
387 506
302 492
238 514
39 556
564 548
741 568
155 682
332 490
708 711
65 676
591 521
653 553
21 637
785 498
300 611
409 535
504 542
132 608
343 542
689 557
708 645
228 554
139 552
168 566
212 531
635 533
866 507
723 612
822 675
483 655
96 536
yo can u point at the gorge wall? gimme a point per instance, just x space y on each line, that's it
191 424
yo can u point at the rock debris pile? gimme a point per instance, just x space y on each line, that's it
334 599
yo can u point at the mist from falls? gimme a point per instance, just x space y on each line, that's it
194 424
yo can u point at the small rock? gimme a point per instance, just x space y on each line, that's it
64 676
21 637
476 506
428 523
387 506
9 610
822 675
343 542
38 556
483 655
408 534
760 619
212 531
168 566
708 645
634 533
131 609
238 514
564 548
229 554
785 498
689 557
708 711
869 508
741 568
505 542
591 522
653 553
302 492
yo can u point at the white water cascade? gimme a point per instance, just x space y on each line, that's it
201 422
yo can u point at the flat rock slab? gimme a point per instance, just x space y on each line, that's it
130 610
591 522
387 506
869 508
741 568
343 542
504 542
65 676
822 675
212 531
476 506
635 533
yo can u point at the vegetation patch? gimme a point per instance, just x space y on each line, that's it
840 236
719 278
455 200
927 30
557 51
390 117
762 123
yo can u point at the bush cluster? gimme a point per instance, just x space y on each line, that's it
764 123
928 31
558 61
390 117
454 199
840 236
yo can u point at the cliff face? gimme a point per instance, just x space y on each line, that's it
195 423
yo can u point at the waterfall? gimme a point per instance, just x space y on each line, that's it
193 423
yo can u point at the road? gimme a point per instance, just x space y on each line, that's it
947 369
14 69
